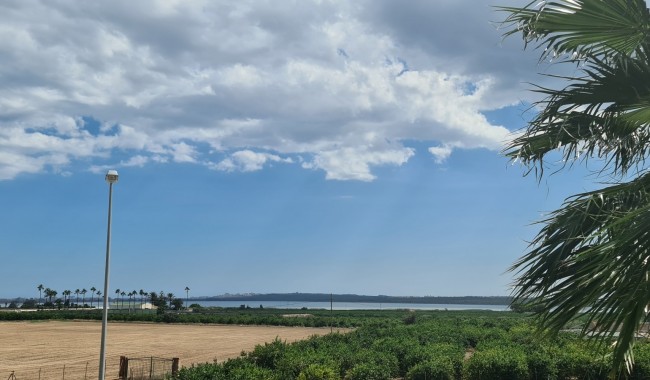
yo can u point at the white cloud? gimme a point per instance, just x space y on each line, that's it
248 161
355 163
440 153
343 84
138 161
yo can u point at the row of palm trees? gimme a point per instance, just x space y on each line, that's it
144 296
51 294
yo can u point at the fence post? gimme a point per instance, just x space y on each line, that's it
124 368
174 366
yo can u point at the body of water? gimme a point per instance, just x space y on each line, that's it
348 305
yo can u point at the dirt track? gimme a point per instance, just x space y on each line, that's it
33 348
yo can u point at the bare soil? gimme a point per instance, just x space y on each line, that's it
70 349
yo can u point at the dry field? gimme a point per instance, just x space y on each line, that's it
40 350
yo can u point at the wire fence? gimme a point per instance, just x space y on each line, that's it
83 371
150 368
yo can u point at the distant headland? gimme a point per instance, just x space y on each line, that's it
325 297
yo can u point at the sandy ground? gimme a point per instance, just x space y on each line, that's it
70 349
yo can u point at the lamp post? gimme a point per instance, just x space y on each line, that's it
111 178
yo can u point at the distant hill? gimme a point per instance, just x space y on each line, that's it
322 297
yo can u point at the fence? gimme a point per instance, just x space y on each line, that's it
79 371
150 368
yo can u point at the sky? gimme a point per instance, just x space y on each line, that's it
266 146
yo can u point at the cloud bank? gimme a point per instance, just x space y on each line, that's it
334 86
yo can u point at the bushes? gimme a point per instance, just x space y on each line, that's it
431 348
504 346
438 368
575 359
428 358
641 368
368 371
496 364
268 355
318 372
542 364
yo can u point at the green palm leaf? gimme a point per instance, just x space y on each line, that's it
591 258
603 113
582 27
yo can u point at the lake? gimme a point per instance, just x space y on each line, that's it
349 305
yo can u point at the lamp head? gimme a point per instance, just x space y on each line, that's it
111 176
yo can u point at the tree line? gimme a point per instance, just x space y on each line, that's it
47 299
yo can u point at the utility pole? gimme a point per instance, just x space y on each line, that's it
331 317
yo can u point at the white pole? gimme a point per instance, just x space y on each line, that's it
102 351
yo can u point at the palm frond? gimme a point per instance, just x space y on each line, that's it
580 27
592 260
592 257
604 114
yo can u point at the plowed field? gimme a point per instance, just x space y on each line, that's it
47 350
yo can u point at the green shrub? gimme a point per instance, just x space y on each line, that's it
409 319
269 354
368 361
542 364
435 352
577 359
202 372
294 361
248 371
368 371
433 369
403 348
641 368
496 364
318 372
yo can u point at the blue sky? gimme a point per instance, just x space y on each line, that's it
266 147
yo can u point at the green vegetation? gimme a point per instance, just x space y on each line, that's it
390 344
591 256
438 345
240 316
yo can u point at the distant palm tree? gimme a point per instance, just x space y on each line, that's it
83 297
142 294
77 291
50 293
187 296
66 295
122 293
134 293
99 295
117 296
170 296
92 295
40 294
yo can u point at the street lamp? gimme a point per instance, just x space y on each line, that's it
111 178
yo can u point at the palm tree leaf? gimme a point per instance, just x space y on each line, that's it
580 27
592 259
604 113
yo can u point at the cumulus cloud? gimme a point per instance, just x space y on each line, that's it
236 86
440 153
248 161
